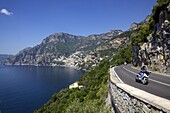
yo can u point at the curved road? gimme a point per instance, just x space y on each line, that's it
158 84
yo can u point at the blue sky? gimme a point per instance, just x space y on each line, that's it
25 23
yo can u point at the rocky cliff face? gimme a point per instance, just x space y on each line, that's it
156 51
59 48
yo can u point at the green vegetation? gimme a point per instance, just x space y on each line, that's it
89 99
60 48
108 52
146 29
141 36
124 54
161 2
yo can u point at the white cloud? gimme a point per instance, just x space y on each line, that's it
6 12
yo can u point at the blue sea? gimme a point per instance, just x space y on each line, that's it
24 89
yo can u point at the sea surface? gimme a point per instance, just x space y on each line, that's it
24 89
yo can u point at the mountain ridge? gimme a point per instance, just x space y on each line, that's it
59 45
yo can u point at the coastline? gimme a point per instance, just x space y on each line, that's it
67 66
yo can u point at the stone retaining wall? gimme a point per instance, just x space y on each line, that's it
127 99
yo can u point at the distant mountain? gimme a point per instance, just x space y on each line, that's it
59 45
3 57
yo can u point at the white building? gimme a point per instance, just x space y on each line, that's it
75 85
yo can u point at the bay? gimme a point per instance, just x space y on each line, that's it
24 89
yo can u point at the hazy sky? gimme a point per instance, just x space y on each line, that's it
25 23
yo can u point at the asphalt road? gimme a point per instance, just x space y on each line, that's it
158 84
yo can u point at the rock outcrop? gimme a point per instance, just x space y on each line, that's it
156 51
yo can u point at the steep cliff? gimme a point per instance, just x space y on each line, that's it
151 46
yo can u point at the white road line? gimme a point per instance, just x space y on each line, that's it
117 75
160 82
149 79
129 70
